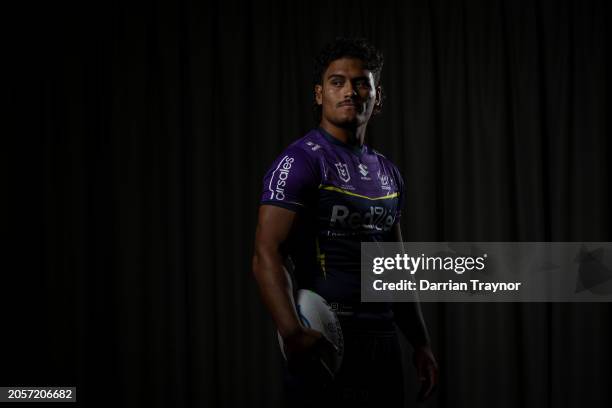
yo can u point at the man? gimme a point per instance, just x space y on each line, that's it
323 196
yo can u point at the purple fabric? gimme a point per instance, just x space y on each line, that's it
343 196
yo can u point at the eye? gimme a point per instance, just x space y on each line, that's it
336 82
363 84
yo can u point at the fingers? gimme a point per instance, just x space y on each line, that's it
325 350
327 369
428 375
424 391
313 371
430 383
311 362
325 343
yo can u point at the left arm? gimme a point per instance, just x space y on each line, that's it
408 314
409 319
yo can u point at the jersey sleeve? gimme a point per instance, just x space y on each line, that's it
402 194
291 180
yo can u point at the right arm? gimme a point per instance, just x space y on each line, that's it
273 226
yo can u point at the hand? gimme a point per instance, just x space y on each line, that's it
307 352
427 371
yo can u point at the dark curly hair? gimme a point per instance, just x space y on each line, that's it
360 48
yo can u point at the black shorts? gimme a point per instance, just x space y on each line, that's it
371 374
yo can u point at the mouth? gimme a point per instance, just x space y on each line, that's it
350 106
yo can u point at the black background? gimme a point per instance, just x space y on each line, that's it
140 136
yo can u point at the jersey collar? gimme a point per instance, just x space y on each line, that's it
353 149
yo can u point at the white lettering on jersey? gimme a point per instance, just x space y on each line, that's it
277 191
363 169
376 218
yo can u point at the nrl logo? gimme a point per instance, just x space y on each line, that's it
343 172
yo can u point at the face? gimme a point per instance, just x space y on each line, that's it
347 93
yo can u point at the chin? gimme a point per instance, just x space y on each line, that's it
357 121
348 120
353 123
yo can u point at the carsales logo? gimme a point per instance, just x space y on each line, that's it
279 178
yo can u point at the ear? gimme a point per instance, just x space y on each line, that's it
319 94
378 101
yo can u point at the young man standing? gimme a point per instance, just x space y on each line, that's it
323 196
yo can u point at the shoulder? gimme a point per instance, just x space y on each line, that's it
304 153
308 147
299 159
386 162
293 176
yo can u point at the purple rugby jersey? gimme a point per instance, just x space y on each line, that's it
343 195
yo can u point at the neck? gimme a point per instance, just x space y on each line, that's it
353 136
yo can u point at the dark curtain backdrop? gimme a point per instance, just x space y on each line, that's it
143 132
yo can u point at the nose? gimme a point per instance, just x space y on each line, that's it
349 90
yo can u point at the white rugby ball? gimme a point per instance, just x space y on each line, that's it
315 313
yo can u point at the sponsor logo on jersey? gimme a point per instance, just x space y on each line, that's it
278 181
375 218
343 172
363 169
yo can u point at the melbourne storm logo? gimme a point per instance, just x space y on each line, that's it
343 172
384 181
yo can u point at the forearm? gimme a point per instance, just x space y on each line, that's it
276 290
409 319
408 315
